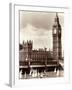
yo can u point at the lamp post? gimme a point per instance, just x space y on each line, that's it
28 60
45 65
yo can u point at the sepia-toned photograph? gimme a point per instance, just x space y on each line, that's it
41 44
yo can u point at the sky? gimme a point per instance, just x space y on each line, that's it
37 26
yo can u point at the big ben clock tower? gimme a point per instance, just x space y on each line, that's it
56 31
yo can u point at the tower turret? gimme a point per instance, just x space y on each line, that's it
56 38
27 46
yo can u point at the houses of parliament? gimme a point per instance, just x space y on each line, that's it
42 58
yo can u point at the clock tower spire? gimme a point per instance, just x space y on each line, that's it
56 32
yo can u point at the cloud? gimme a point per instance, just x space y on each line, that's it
43 20
41 38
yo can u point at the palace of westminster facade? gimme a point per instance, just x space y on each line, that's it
28 56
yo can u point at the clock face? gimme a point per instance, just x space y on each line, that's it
54 31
